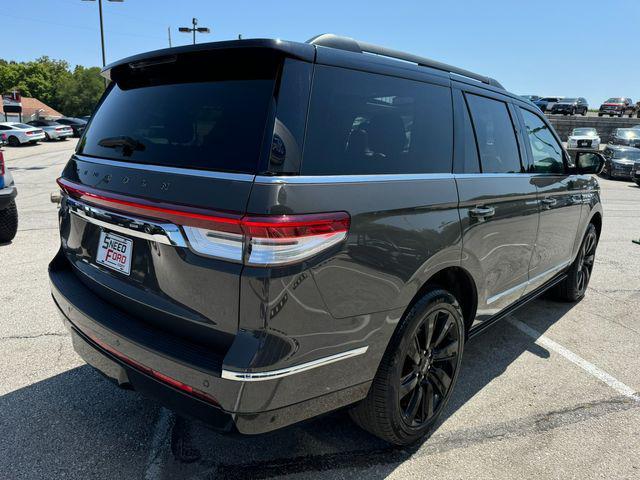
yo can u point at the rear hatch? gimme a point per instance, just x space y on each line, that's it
172 148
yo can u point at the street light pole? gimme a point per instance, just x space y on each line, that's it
104 62
104 56
194 29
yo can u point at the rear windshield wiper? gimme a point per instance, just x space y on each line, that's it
128 144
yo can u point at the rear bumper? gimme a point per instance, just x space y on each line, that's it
163 367
58 135
6 195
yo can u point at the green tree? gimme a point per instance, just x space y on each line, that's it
73 93
77 94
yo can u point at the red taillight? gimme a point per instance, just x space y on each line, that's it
60 129
154 373
1 164
30 132
253 239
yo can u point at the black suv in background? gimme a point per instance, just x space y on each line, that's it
77 124
626 136
619 161
307 227
571 106
618 106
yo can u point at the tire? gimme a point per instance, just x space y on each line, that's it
13 141
434 324
585 111
599 114
637 182
573 111
8 222
573 288
47 137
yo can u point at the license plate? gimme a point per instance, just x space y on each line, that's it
115 252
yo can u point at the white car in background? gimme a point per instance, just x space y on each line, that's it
584 138
52 129
19 133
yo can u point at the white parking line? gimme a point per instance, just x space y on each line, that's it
588 367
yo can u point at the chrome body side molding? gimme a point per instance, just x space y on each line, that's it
285 372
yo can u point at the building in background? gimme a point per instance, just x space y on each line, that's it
25 109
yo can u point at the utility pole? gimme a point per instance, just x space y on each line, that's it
104 57
169 32
194 29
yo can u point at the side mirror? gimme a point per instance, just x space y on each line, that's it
589 162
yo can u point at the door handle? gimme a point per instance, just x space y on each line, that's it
549 202
482 212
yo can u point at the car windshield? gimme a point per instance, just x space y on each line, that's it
631 154
629 133
589 132
569 100
615 100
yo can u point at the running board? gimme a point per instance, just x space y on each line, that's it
484 326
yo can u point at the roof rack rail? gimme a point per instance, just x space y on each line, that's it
349 44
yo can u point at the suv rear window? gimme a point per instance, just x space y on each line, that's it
194 113
364 123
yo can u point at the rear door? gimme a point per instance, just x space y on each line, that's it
559 196
498 205
172 149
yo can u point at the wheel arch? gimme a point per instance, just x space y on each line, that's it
460 284
596 219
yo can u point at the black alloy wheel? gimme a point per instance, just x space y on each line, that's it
429 365
573 287
417 373
586 259
13 141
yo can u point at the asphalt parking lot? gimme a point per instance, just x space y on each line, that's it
548 393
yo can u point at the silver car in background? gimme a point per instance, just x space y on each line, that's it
20 133
584 138
52 129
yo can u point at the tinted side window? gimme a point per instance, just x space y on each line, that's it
363 123
495 134
291 115
470 161
547 153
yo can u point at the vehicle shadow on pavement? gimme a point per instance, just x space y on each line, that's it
334 442
74 425
79 425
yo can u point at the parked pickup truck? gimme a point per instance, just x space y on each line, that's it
619 107
8 210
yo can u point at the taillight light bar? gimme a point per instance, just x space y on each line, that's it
177 384
259 240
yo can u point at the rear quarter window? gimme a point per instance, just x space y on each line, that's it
364 123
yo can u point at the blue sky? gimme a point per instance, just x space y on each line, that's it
564 47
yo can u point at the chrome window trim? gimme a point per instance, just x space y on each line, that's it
165 233
285 372
309 179
238 177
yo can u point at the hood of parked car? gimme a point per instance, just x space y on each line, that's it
584 137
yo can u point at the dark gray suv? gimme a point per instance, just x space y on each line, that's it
256 232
